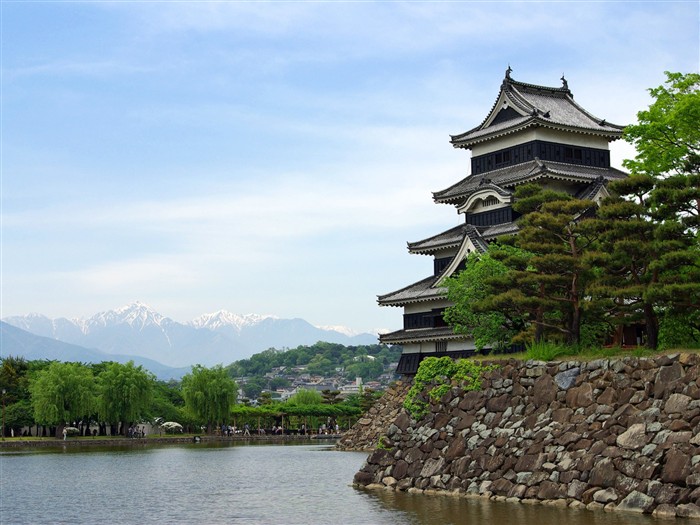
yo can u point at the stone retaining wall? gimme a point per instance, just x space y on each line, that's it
619 434
364 435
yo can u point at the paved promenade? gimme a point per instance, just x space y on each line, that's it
164 439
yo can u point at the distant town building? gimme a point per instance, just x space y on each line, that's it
531 134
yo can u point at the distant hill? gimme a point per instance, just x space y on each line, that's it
20 343
218 338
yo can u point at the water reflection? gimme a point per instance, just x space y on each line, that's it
450 510
235 484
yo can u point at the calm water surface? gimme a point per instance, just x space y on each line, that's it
236 484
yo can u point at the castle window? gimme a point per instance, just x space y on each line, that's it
502 158
490 201
573 155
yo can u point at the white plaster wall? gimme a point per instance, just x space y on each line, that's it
426 306
546 134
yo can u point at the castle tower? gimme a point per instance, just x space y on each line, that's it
532 134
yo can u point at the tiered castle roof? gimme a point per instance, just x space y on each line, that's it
531 134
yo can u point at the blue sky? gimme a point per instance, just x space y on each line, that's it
274 157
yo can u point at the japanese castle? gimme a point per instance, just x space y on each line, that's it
532 134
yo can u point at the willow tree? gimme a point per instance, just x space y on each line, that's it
304 396
63 393
126 392
209 394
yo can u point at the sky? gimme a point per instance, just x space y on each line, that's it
274 157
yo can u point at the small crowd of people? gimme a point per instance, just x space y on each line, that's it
136 432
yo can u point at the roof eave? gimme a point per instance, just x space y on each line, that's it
440 293
611 135
433 249
403 337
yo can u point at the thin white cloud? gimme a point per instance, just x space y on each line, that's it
277 156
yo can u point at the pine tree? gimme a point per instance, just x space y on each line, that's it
551 230
649 225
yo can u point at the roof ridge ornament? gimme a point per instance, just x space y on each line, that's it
564 83
508 72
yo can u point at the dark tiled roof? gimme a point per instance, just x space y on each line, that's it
511 176
421 334
452 238
447 239
476 238
499 229
539 106
591 191
486 184
421 291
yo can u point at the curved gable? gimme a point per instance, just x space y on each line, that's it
488 197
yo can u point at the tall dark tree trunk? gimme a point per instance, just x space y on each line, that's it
574 335
539 319
651 322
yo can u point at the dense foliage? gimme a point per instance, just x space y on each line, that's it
577 272
209 394
52 395
321 359
436 375
473 312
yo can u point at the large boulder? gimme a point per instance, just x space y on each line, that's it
633 438
637 502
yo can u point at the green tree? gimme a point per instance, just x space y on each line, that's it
468 292
126 393
253 387
649 249
304 396
209 394
265 398
330 397
278 382
553 229
667 139
320 365
14 381
63 393
642 260
167 401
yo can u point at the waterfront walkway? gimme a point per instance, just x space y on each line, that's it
165 439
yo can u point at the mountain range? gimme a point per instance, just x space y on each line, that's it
138 330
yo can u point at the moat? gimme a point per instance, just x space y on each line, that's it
234 483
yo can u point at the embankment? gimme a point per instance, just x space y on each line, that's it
615 434
364 435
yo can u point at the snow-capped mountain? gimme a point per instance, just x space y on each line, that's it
137 315
224 319
221 337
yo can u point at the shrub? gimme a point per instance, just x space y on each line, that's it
462 372
547 350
